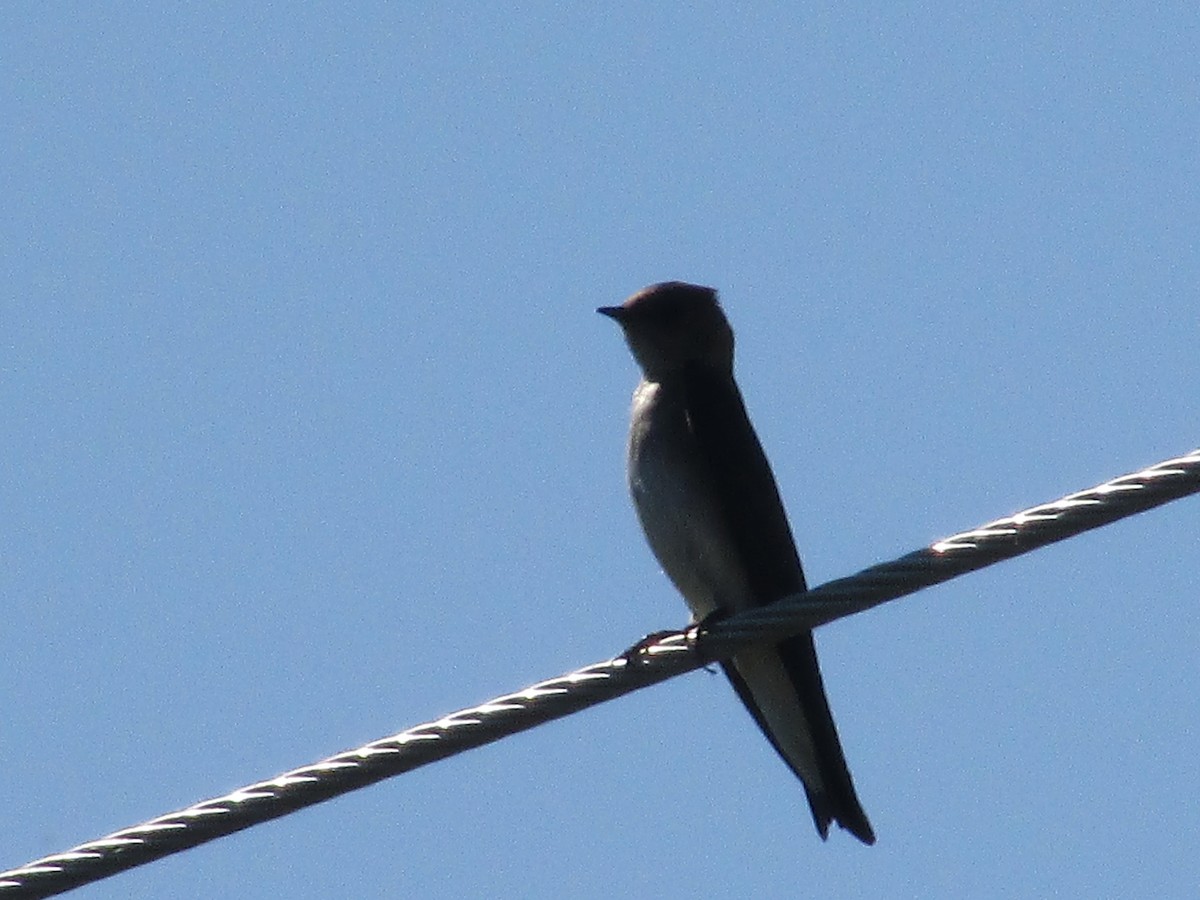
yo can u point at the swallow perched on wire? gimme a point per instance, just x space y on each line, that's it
710 508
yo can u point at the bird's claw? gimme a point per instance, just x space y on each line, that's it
642 647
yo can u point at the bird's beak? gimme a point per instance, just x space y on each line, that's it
613 312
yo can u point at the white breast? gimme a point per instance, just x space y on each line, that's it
677 504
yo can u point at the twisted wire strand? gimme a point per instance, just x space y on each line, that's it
655 659
958 554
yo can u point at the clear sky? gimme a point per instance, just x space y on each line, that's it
310 432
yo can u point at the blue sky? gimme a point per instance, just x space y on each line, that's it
311 432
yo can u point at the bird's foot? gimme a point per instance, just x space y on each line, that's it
702 627
645 646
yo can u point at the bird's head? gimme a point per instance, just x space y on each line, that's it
671 324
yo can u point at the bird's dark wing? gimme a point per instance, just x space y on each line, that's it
746 487
750 504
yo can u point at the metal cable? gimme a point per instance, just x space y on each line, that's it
663 656
961 553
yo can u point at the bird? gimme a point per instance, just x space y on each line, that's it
710 508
